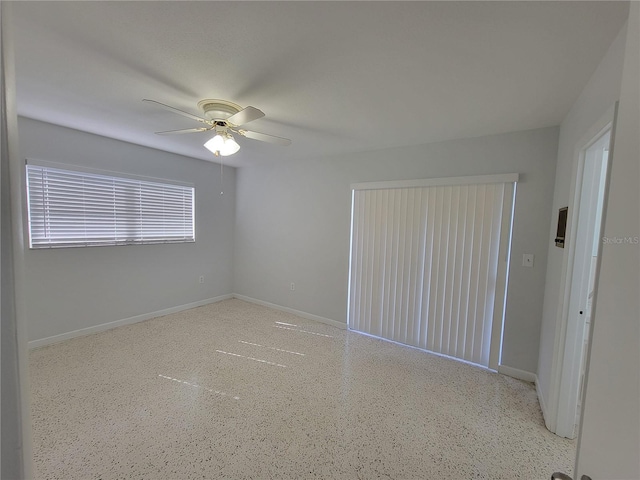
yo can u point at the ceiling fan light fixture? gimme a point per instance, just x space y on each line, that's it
222 144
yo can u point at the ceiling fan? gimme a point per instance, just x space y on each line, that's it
222 117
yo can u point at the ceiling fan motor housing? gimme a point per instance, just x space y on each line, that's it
218 110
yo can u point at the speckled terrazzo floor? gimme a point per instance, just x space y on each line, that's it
235 390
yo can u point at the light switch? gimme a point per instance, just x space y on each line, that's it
527 260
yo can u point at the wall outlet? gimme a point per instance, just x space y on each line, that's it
293 286
201 279
527 260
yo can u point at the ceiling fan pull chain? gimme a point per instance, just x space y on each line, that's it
221 173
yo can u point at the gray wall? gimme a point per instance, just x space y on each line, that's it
611 417
293 220
600 94
73 288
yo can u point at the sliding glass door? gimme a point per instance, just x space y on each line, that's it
429 262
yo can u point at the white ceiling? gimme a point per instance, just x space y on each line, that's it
335 77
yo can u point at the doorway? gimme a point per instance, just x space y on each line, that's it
590 186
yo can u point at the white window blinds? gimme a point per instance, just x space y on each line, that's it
70 208
428 265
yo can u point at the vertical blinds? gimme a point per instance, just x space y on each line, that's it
424 265
71 208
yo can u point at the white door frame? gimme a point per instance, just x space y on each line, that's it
566 364
16 361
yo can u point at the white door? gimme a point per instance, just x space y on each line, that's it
584 247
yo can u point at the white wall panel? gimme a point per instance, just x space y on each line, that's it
599 95
75 288
293 224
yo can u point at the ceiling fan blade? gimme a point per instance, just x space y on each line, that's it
245 115
263 137
186 130
180 112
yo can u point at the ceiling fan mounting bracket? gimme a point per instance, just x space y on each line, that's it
220 128
218 110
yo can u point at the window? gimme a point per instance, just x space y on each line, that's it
72 208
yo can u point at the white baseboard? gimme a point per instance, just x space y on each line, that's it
299 313
125 321
517 373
